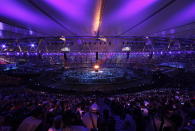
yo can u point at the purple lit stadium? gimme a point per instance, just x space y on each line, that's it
97 65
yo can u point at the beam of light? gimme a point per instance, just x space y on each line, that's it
20 49
104 59
13 10
71 8
131 8
97 17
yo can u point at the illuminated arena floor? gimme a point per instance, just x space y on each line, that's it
102 76
86 79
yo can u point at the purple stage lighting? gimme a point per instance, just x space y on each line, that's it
3 46
73 9
14 10
132 7
186 15
32 45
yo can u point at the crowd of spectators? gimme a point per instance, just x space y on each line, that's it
154 110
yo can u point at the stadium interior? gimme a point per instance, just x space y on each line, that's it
97 65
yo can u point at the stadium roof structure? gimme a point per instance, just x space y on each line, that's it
159 18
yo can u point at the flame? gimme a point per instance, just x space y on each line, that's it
96 67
